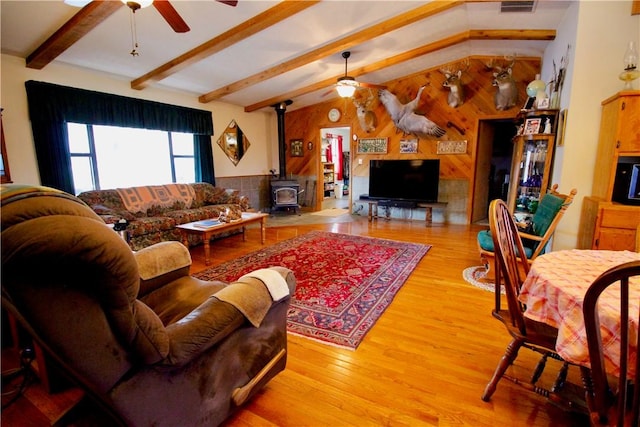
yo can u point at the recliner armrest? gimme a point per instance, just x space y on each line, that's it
200 330
215 319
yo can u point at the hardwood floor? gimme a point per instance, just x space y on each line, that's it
425 362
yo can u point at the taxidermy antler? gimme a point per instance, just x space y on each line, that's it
507 94
366 116
453 80
406 119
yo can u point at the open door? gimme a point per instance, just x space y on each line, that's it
335 168
493 165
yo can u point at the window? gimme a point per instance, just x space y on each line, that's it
112 157
53 107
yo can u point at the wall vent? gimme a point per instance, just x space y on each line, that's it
517 6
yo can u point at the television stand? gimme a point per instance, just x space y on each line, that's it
374 203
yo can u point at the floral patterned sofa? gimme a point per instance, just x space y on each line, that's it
154 211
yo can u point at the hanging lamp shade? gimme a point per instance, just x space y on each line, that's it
346 86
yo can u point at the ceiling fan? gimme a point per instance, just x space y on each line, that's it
347 85
164 7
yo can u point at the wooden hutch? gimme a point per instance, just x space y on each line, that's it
533 149
610 216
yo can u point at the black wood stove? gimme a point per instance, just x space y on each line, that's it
284 192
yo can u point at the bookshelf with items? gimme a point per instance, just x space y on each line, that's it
533 150
329 178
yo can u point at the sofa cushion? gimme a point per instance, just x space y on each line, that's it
206 194
112 215
160 210
145 225
156 199
102 198
204 212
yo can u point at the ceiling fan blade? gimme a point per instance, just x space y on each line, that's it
371 85
228 2
330 91
171 16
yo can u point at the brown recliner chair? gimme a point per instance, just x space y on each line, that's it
150 343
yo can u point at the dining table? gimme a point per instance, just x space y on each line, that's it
553 293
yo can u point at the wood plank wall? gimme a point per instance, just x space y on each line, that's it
305 123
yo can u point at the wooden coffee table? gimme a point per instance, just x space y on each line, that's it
206 233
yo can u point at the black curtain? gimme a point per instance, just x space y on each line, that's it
52 106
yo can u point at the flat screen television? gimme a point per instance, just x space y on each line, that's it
415 180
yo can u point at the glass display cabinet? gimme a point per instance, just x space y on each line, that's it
533 150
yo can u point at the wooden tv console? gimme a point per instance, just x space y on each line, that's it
374 203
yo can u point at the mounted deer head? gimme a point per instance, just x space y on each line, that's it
507 94
366 117
453 80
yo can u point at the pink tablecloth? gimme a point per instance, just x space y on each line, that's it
553 293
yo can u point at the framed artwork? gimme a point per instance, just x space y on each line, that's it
528 105
451 147
408 146
296 148
543 103
562 124
372 145
532 126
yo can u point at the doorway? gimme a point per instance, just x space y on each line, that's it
335 168
493 165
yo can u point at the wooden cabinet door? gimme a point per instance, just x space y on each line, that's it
615 239
629 125
616 227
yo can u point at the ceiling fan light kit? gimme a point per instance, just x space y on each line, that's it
77 3
135 5
346 86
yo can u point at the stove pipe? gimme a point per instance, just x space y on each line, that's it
280 110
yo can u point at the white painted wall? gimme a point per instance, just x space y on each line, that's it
260 127
598 32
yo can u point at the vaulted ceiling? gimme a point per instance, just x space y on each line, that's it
259 53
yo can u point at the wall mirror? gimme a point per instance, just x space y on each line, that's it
234 142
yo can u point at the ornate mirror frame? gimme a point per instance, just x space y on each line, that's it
234 142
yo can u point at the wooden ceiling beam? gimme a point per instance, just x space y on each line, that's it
71 31
412 54
410 17
270 17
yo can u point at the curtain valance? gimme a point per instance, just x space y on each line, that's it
55 103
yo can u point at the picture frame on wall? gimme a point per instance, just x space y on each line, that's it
532 126
409 146
372 145
296 148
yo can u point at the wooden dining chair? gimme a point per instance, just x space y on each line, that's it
612 402
544 221
525 332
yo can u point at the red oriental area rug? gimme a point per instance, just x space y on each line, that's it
344 282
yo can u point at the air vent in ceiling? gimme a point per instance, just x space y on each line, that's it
517 6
